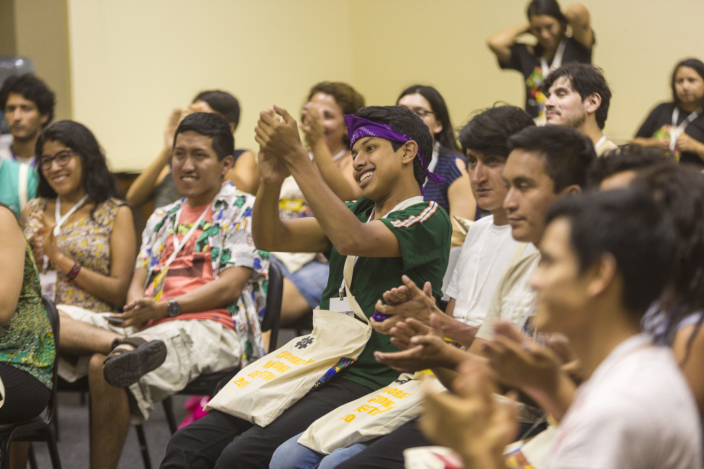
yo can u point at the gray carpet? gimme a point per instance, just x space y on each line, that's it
73 436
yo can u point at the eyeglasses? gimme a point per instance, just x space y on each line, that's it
62 158
419 111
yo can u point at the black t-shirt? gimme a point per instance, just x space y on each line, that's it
658 124
529 65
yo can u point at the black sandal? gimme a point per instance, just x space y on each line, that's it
123 368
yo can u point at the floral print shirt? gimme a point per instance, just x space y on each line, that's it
231 245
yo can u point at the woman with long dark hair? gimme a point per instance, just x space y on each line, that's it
455 194
82 235
554 47
678 125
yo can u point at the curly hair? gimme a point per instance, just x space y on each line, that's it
32 89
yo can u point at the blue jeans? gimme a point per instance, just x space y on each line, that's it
291 455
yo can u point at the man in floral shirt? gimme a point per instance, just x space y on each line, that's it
194 301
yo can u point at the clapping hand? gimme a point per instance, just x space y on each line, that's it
277 135
312 124
44 240
407 301
471 422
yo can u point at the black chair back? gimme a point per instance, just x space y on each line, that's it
272 313
54 320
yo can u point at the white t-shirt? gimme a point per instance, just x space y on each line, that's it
486 253
636 411
514 299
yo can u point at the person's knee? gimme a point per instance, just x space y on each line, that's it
95 365
291 455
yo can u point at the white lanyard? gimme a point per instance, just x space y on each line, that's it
677 130
57 213
433 161
600 142
417 198
178 246
556 61
339 155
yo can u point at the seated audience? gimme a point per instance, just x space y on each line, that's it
454 193
544 165
554 48
679 125
27 348
78 223
18 184
192 303
325 131
594 285
487 251
28 106
391 147
579 97
623 165
157 180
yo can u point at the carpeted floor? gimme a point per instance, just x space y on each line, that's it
73 436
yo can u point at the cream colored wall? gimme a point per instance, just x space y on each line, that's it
132 61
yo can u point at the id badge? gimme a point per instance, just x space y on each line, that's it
158 285
48 281
340 305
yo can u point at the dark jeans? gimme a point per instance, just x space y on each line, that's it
387 451
219 440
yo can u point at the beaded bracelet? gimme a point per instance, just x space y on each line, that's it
73 273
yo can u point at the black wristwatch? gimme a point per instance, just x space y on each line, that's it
173 308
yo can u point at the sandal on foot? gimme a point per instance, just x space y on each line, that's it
123 368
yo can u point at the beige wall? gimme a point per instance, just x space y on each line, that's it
41 33
132 61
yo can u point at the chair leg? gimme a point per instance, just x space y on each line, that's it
168 405
143 446
53 450
5 451
31 457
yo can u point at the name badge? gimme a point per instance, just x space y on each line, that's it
48 281
340 305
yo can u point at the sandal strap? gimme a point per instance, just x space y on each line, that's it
133 341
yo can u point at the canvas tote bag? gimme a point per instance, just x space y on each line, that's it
262 391
371 416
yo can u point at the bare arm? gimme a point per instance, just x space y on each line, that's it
461 199
349 235
272 234
578 17
12 252
343 185
143 187
223 290
245 174
501 42
662 143
123 251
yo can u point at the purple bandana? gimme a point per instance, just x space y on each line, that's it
358 127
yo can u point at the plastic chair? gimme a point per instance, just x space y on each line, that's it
39 428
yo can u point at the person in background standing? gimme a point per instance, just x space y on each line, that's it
549 25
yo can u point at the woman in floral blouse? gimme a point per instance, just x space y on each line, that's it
83 237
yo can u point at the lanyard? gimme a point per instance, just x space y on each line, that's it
600 142
178 246
433 161
556 61
339 155
417 198
57 213
677 130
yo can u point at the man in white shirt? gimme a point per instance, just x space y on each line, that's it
635 410
28 105
579 97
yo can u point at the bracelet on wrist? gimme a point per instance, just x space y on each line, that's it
73 273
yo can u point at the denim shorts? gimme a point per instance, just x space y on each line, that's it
310 280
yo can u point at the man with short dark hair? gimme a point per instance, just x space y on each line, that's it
28 106
193 303
579 97
635 409
622 166
390 230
